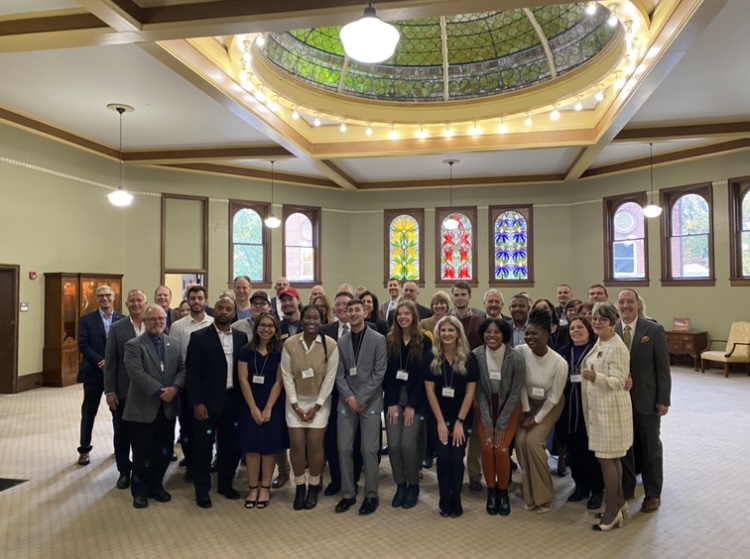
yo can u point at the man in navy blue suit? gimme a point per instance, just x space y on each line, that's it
93 329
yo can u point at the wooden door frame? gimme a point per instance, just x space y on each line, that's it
15 297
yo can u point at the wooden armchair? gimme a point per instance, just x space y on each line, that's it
737 349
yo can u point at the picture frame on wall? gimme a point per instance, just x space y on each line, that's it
681 325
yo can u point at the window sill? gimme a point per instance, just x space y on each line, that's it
709 282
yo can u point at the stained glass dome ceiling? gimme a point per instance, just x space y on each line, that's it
450 58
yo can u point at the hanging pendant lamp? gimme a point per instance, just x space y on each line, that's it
451 223
369 39
120 197
652 209
272 221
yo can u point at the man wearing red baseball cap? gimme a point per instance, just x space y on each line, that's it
290 309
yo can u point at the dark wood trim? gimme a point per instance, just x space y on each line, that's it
738 189
24 383
177 155
464 181
264 210
50 24
15 296
739 282
440 215
246 172
493 212
610 206
164 270
314 215
668 196
649 134
388 217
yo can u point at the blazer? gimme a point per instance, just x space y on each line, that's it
512 380
649 366
367 386
417 398
206 368
115 376
332 330
422 311
92 342
147 379
384 306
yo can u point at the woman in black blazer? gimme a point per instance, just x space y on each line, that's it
502 373
409 356
373 313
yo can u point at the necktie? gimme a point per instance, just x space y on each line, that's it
627 337
345 329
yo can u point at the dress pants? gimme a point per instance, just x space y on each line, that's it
121 439
474 448
450 474
186 432
584 467
152 451
647 430
92 397
403 449
221 427
369 424
428 436
531 448
331 446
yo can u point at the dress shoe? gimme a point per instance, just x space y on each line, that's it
345 504
617 522
332 489
412 497
230 493
427 462
280 481
160 496
475 484
503 505
624 509
578 494
651 504
83 459
628 495
123 482
174 457
311 501
203 502
300 497
188 477
456 509
140 502
492 505
595 501
369 505
400 496
183 463
544 509
384 451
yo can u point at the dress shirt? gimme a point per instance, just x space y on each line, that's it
182 329
519 335
343 329
392 305
328 381
632 331
138 331
106 320
227 343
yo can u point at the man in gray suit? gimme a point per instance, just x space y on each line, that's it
116 381
156 368
650 394
362 363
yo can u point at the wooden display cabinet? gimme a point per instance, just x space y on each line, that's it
67 297
687 343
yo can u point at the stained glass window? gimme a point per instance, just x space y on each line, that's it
404 248
456 249
511 245
249 243
301 244
625 238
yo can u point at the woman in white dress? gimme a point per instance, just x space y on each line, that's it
607 409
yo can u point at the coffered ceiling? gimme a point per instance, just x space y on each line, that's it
199 107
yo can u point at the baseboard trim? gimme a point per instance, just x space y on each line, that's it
28 382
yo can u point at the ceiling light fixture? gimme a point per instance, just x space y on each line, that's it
578 106
120 197
502 129
451 223
369 39
591 8
343 126
392 134
555 114
422 133
528 122
272 221
652 209
448 133
368 130
316 122
295 114
475 130
599 94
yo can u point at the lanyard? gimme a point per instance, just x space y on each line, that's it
401 365
576 366
445 374
255 364
355 350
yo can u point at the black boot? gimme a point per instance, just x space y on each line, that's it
492 500
579 494
400 496
312 496
412 496
595 501
300 497
503 507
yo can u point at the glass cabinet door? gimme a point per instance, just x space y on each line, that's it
69 309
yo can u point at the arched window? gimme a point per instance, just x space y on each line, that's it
456 248
687 256
511 247
301 263
739 224
247 244
404 247
626 246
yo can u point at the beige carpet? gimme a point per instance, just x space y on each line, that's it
71 511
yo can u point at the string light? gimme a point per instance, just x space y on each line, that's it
422 133
343 126
555 114
392 134
502 129
591 8
448 133
295 114
316 122
528 122
368 130
260 41
475 130
578 106
599 95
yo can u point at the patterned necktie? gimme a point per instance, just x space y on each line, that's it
627 338
346 329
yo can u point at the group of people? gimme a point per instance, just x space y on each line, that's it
256 375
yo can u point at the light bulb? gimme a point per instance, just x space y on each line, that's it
450 224
599 95
274 105
652 210
316 122
272 221
613 21
475 130
260 40
448 133
120 198
260 96
620 81
555 115
578 106
343 126
295 114
422 133
392 134
502 129
591 8
528 122
368 130
247 57
244 77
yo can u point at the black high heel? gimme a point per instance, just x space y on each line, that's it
264 504
250 504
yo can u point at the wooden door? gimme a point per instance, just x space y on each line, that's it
8 328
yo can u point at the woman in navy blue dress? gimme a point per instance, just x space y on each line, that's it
262 429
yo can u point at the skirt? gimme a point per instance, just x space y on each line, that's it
306 402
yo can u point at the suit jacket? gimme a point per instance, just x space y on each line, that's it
206 367
367 386
332 330
115 376
173 315
384 306
422 311
274 308
649 366
147 378
512 380
92 341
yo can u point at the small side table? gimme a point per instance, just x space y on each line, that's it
687 343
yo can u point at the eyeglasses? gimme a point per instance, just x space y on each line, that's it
266 327
104 295
157 319
597 318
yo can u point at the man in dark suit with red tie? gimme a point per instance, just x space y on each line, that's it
93 330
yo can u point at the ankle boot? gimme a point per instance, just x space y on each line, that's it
311 500
300 497
400 496
412 496
503 507
492 500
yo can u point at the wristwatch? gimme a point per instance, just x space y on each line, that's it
459 420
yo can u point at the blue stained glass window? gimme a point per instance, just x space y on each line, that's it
511 242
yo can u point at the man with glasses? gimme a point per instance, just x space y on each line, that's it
260 302
93 329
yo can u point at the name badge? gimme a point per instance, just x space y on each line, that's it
449 392
352 371
576 378
537 392
402 375
162 366
308 373
259 379
496 375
